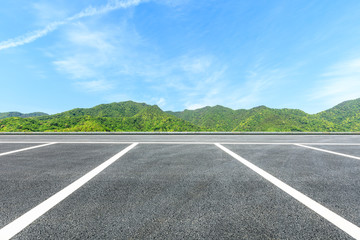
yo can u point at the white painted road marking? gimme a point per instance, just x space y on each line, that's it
327 151
26 219
332 217
189 142
25 149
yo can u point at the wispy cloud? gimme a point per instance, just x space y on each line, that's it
190 80
90 11
173 3
161 102
47 12
95 85
118 61
86 63
339 83
30 37
210 90
257 84
76 67
88 51
196 64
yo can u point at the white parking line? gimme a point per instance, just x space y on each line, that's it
26 219
187 142
291 143
25 149
327 151
332 217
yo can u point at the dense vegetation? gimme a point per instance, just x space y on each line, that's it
259 119
344 117
126 116
131 116
22 115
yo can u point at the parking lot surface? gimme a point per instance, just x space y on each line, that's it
179 187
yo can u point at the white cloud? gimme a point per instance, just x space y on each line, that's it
90 53
90 11
196 85
340 82
161 102
195 65
195 106
85 59
76 67
258 86
346 68
30 37
173 3
210 90
110 6
81 36
95 85
192 80
47 12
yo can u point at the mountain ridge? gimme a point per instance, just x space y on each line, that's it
133 116
19 114
123 116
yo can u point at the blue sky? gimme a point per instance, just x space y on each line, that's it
181 54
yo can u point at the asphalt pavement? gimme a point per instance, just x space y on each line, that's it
190 189
28 178
7 147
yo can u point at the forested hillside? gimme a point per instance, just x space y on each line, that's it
23 115
125 116
217 118
345 115
132 116
262 119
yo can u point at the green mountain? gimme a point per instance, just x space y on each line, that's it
265 119
343 117
124 116
121 109
216 118
132 116
22 115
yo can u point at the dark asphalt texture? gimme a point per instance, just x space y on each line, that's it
179 192
350 150
28 178
7 147
331 180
